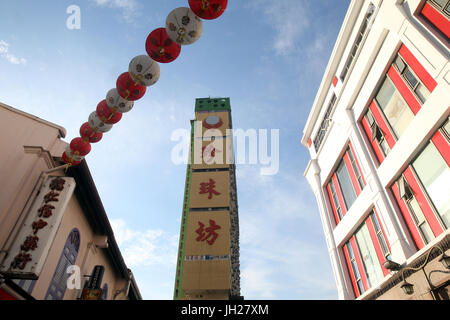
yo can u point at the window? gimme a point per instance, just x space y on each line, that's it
345 184
442 5
58 284
355 168
354 268
336 200
397 112
411 79
357 42
401 94
422 191
104 295
368 255
325 124
365 253
380 236
434 174
376 134
437 12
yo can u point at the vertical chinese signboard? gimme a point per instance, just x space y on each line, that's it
208 261
32 244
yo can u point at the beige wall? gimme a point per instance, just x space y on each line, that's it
436 274
206 275
28 146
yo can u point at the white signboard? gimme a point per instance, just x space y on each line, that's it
32 244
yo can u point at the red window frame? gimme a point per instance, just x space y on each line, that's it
438 20
381 258
405 91
353 178
442 145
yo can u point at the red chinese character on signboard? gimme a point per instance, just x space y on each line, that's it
51 196
57 184
210 232
30 243
37 225
46 210
208 187
21 260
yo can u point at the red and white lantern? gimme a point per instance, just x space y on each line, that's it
107 114
208 9
160 47
128 88
183 26
144 70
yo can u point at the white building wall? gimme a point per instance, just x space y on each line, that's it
393 25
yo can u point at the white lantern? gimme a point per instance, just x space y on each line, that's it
144 70
72 156
97 124
183 26
117 103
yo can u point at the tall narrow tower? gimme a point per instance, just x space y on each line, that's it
208 253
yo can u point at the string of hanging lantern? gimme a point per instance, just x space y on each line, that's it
184 26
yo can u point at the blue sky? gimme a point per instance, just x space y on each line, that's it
268 56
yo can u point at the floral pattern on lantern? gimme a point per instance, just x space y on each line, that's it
144 70
88 134
117 103
208 9
79 147
69 158
128 88
183 26
160 47
97 124
106 114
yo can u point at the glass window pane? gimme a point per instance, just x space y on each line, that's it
399 64
441 3
346 185
434 174
369 256
411 78
385 93
422 92
397 112
446 129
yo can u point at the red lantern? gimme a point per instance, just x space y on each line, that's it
160 47
69 160
79 147
128 89
106 114
89 135
208 9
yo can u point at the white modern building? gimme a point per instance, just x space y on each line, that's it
378 135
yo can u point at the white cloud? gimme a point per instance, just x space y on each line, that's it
4 53
129 7
145 247
288 18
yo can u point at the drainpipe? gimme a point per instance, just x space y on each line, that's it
23 214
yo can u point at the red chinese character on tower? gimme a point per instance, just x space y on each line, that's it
210 232
208 187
